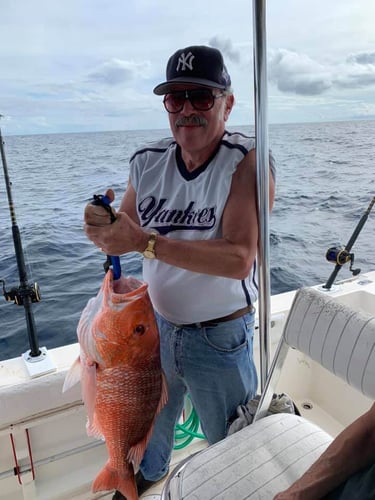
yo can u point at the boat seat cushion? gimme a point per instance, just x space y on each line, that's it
283 446
335 335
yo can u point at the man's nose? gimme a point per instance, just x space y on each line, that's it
187 108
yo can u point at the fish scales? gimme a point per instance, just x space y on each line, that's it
126 404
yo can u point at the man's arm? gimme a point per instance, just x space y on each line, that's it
352 450
230 256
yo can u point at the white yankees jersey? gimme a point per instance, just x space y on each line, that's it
189 206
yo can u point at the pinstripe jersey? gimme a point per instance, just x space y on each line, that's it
189 206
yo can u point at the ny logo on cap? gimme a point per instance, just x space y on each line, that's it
185 62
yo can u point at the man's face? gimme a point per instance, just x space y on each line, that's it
198 116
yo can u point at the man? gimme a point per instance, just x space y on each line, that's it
345 471
190 208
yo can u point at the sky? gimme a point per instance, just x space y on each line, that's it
91 65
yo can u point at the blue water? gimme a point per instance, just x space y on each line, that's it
325 182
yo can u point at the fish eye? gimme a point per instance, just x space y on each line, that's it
139 330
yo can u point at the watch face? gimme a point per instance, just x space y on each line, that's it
149 253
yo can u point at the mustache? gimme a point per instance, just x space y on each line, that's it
191 120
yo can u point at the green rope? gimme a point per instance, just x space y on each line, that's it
187 431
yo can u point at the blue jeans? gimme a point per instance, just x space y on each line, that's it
214 365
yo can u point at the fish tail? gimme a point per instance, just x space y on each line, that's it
112 479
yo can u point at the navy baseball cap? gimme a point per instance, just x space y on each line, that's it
197 64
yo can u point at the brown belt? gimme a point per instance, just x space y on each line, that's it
223 319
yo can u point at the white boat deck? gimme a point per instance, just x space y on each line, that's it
66 460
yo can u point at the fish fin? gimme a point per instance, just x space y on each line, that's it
93 428
136 452
89 393
113 479
164 394
73 375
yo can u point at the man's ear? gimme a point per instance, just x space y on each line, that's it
229 103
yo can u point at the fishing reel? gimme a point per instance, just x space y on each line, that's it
341 256
18 294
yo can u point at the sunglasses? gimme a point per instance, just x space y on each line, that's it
200 99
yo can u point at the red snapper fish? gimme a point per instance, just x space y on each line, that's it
123 387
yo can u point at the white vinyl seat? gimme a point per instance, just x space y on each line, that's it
271 453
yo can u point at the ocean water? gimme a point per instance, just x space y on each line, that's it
325 182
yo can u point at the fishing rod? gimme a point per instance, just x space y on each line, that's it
341 256
25 294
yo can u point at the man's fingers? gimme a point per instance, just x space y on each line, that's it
110 194
96 215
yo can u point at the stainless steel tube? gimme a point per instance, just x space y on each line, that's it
262 157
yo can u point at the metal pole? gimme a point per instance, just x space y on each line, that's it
262 158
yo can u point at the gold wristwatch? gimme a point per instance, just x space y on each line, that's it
149 253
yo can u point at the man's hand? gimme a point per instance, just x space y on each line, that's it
113 238
96 215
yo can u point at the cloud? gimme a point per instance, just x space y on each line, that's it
116 71
358 71
297 73
226 47
362 58
356 79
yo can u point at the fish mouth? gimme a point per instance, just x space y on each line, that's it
129 296
125 290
